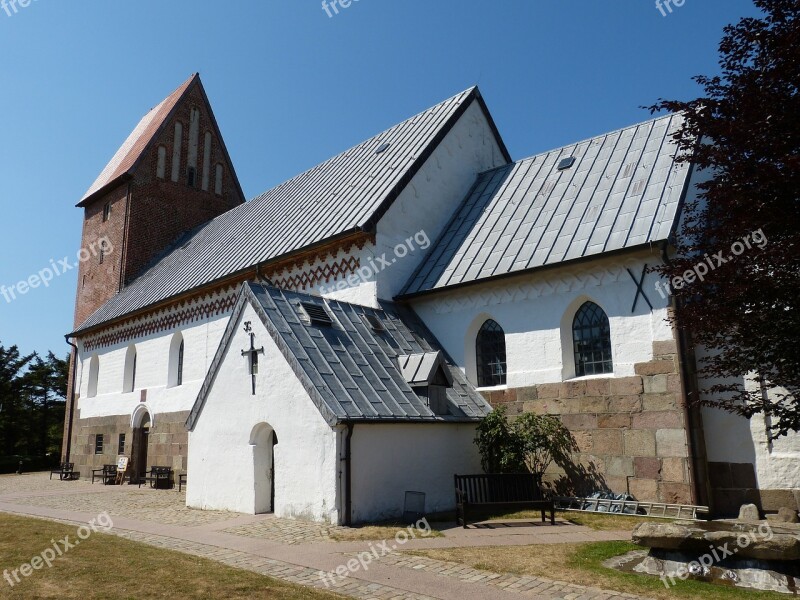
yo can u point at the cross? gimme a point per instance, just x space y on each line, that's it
639 289
252 353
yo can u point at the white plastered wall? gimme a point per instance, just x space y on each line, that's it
390 459
536 312
221 470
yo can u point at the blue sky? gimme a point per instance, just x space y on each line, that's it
291 86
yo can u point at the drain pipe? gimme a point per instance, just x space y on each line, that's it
348 486
699 470
71 394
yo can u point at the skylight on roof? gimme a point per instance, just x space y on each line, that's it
374 322
317 313
382 148
566 163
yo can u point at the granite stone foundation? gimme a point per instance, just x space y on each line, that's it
631 431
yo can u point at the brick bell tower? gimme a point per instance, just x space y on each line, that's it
172 174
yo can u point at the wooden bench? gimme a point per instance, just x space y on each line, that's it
65 471
500 491
108 474
181 481
159 478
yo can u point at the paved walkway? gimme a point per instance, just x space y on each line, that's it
301 552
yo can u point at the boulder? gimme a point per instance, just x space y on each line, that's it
749 512
787 515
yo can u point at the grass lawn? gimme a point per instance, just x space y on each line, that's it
109 567
581 564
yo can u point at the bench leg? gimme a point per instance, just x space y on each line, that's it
543 516
464 515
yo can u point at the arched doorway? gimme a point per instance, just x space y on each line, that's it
141 423
262 441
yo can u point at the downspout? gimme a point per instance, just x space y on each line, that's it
71 395
699 470
348 487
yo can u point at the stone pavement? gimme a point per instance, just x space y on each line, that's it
301 552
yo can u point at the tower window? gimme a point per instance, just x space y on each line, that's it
190 176
106 211
591 337
161 166
218 180
490 347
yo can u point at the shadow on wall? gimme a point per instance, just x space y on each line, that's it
578 480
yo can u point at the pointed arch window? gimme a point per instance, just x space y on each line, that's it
591 338
490 348
176 351
94 373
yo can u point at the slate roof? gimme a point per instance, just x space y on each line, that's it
350 369
623 190
419 369
344 195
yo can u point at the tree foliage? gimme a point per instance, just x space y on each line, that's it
32 401
744 311
529 443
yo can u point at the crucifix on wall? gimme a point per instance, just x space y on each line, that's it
252 354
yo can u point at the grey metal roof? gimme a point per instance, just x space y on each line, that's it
345 194
623 190
419 369
350 370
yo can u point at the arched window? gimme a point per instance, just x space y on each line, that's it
94 373
490 350
129 379
176 349
591 337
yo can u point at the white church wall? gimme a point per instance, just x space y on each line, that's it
411 224
221 461
536 312
201 339
390 459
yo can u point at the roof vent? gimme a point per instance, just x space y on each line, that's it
566 163
317 313
382 148
374 322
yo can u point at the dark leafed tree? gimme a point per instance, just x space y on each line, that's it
745 223
46 388
13 414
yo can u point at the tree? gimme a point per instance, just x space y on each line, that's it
12 388
744 224
498 444
530 443
543 440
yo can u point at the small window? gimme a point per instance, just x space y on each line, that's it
129 379
591 337
121 445
317 314
106 211
98 443
102 256
218 180
190 176
161 165
180 364
490 347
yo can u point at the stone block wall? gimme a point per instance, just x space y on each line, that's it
631 431
734 484
168 442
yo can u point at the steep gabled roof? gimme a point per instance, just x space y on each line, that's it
622 190
342 196
127 159
350 369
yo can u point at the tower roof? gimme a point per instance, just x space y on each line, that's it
125 162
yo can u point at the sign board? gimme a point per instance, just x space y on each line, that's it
122 463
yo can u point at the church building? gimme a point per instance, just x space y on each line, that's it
331 344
